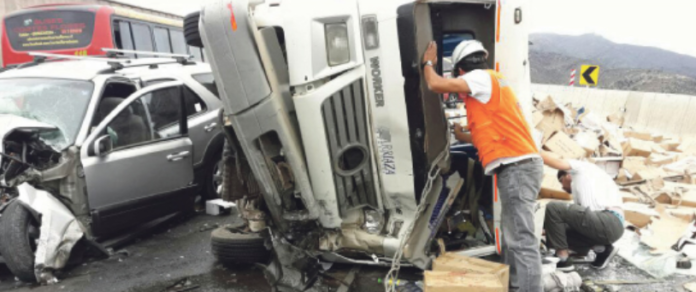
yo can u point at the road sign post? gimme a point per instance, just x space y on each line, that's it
589 75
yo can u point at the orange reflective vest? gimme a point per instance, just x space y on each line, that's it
498 128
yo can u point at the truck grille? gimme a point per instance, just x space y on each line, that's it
346 130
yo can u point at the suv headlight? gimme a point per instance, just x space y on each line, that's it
337 45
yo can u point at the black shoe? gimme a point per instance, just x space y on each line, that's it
603 259
566 266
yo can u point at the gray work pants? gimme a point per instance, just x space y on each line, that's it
571 226
519 186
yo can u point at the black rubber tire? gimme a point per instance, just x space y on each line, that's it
209 189
232 247
15 244
191 32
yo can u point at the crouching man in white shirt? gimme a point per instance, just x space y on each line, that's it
594 221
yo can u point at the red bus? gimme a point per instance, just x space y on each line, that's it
85 29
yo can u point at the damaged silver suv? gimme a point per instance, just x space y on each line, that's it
92 148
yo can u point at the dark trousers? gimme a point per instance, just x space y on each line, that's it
571 226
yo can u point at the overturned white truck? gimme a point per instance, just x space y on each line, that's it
326 105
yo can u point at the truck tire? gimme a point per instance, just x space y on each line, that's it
191 32
232 246
18 234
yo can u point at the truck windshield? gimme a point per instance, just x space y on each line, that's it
57 102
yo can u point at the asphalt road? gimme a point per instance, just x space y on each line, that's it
175 253
176 257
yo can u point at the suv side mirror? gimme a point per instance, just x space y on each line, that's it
103 145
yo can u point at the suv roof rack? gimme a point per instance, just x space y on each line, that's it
39 58
182 59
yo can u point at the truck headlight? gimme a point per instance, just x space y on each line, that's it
370 32
337 45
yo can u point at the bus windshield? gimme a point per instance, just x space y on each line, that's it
50 30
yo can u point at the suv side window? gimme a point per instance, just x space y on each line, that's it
193 104
164 106
208 81
130 127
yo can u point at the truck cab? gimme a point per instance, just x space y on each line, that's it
326 104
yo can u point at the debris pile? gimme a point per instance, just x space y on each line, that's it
656 173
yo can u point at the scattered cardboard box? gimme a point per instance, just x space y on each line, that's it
629 197
632 165
461 282
611 165
670 144
587 141
665 230
639 135
648 174
561 144
453 272
635 147
616 119
452 262
551 188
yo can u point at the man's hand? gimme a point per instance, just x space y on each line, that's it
430 54
460 135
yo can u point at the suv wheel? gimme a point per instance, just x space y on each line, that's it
232 245
212 179
19 233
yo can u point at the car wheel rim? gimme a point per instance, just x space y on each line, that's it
217 178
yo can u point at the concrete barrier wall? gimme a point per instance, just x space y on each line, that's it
673 114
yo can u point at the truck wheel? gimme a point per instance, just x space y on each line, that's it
231 245
18 235
191 32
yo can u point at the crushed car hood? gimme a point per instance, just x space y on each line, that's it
11 123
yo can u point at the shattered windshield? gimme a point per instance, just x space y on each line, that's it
57 102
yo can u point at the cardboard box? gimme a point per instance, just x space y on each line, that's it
616 119
670 144
218 207
638 215
587 141
639 135
611 165
629 197
551 188
635 147
649 174
634 164
550 123
451 262
656 159
461 282
561 144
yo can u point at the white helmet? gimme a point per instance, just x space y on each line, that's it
465 49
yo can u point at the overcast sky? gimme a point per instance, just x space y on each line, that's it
666 24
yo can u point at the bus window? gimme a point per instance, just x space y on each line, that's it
178 41
123 36
142 37
196 52
162 40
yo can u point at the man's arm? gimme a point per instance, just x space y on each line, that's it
437 83
553 162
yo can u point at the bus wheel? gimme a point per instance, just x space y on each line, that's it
191 32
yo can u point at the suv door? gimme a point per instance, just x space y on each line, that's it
202 114
146 172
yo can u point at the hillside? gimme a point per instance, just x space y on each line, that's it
623 67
